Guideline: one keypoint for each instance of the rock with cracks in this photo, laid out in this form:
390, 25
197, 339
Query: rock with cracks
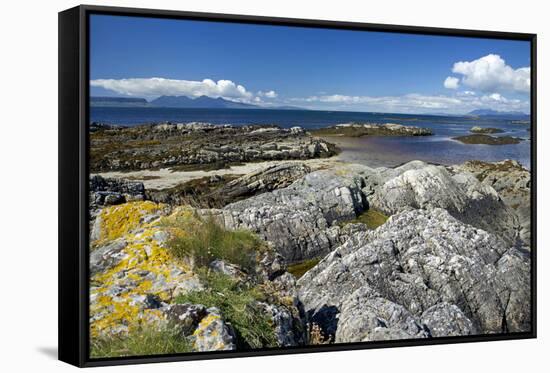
300, 220
422, 274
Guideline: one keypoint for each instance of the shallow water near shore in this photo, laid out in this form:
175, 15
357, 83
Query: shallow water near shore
394, 151
371, 151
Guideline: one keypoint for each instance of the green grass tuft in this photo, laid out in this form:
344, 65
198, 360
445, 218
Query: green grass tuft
238, 303
205, 240
298, 269
140, 343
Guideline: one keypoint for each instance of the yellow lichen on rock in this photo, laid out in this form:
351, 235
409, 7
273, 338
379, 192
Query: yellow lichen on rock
120, 296
212, 334
118, 220
205, 323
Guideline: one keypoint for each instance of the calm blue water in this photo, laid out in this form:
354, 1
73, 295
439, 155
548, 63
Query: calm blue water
374, 151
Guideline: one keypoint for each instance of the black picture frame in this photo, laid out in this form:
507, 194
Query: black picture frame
74, 170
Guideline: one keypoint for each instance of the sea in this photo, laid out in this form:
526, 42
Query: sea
371, 151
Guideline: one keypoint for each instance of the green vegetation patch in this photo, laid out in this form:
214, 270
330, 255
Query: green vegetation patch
238, 303
483, 169
371, 218
359, 131
204, 240
139, 343
487, 139
298, 269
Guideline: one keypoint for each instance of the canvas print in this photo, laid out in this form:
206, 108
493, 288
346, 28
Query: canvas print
259, 186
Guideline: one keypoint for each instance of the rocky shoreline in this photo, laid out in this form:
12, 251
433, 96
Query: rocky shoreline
415, 251
371, 129
485, 130
483, 139
197, 146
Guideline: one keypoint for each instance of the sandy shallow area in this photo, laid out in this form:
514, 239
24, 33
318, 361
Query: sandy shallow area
366, 151
392, 151
166, 178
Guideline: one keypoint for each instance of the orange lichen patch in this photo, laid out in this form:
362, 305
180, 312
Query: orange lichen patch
118, 220
117, 299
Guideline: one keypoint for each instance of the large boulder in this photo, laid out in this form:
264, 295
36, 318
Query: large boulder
419, 185
132, 273
421, 274
512, 182
300, 220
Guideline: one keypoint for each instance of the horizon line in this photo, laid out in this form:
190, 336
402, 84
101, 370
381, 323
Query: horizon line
298, 108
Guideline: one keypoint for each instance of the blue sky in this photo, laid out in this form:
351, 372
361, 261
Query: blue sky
313, 68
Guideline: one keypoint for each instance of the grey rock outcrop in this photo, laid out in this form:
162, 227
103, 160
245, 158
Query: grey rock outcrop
218, 191
377, 319
513, 184
479, 138
372, 129
205, 328
289, 328
267, 179
300, 220
109, 191
446, 320
213, 333
477, 129
199, 146
185, 317
421, 274
419, 185
107, 256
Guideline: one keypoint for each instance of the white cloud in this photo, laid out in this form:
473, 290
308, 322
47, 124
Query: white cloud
491, 74
451, 82
460, 103
153, 87
494, 96
268, 94
410, 101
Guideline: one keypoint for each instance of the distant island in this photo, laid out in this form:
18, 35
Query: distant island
205, 102
489, 113
118, 101
184, 102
